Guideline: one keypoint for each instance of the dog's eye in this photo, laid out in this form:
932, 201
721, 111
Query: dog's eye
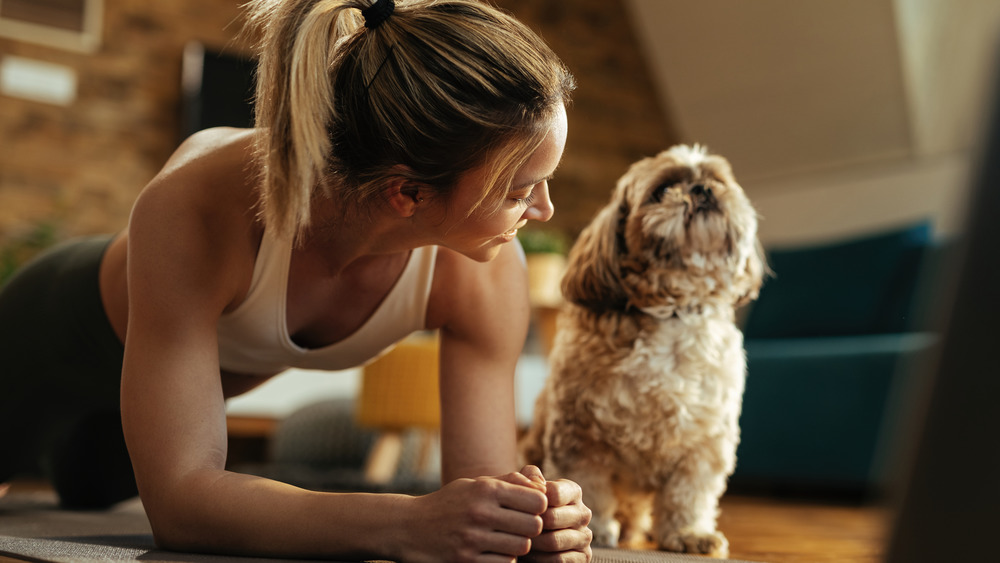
660, 191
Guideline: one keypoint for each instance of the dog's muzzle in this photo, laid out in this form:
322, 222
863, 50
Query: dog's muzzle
703, 199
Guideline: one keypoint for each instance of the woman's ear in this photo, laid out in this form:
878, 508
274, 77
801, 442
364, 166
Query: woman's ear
404, 196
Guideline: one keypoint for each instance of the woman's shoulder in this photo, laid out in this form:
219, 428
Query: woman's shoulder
203, 203
214, 152
211, 175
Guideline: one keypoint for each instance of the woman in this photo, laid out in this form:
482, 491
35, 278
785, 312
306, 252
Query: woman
398, 150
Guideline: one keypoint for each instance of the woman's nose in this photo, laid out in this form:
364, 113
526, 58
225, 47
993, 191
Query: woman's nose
542, 208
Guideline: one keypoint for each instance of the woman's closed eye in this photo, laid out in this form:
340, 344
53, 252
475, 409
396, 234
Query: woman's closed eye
526, 200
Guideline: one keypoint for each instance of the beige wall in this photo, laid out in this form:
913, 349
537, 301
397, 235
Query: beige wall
841, 117
859, 200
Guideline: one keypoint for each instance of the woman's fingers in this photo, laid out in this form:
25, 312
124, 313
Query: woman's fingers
489, 519
559, 492
509, 545
517, 510
522, 497
515, 522
565, 530
566, 507
573, 516
568, 539
533, 473
562, 492
509, 515
565, 537
531, 478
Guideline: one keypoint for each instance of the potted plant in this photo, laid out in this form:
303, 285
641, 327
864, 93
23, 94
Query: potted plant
21, 248
545, 250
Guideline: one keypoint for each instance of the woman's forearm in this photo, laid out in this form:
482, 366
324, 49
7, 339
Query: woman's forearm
223, 512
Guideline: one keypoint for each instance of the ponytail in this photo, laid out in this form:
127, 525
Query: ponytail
433, 89
294, 102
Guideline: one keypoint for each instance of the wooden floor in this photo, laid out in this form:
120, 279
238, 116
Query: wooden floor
790, 531
782, 530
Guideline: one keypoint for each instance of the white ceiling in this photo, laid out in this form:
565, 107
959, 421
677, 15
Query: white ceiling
792, 86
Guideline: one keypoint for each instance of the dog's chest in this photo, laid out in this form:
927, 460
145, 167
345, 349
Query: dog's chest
681, 381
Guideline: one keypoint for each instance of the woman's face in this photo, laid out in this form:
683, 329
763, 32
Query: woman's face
481, 234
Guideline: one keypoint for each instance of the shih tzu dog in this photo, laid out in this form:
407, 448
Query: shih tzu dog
642, 402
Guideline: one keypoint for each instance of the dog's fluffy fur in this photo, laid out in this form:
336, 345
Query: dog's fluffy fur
642, 403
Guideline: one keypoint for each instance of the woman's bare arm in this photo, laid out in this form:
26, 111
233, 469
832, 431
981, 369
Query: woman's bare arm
180, 259
487, 322
482, 337
185, 268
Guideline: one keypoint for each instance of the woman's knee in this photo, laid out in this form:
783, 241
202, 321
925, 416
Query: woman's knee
90, 466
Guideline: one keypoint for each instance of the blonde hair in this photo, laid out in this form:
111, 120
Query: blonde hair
440, 87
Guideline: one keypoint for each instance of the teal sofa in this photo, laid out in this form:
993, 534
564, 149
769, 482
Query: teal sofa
831, 344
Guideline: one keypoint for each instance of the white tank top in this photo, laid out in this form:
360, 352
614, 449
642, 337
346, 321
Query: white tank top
254, 338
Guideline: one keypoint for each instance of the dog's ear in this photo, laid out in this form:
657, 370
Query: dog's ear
753, 275
592, 277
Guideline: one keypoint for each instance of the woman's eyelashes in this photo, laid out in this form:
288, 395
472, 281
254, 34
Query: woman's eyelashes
525, 201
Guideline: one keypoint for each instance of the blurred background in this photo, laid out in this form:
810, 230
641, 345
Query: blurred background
839, 116
846, 121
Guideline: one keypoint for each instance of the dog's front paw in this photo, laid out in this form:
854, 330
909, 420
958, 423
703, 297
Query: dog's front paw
606, 532
702, 543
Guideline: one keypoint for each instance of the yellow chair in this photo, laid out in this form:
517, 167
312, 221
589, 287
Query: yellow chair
399, 393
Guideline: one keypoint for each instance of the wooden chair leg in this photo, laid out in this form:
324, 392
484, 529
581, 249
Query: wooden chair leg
425, 452
383, 461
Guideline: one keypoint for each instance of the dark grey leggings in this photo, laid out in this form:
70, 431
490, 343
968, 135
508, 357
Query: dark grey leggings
60, 371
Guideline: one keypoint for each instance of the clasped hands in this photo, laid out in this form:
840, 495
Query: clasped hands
565, 535
502, 518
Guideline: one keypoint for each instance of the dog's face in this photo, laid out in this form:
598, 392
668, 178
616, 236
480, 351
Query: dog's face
678, 233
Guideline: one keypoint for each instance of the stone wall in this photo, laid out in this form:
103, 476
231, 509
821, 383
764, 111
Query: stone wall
80, 167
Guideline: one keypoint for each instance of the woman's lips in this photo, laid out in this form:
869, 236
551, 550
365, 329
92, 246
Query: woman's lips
509, 235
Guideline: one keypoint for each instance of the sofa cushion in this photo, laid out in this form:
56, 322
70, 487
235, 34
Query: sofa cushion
815, 409
855, 287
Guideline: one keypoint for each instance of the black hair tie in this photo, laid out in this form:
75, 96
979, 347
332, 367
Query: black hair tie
377, 13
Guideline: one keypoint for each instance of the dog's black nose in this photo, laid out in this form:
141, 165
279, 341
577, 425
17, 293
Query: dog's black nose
701, 190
